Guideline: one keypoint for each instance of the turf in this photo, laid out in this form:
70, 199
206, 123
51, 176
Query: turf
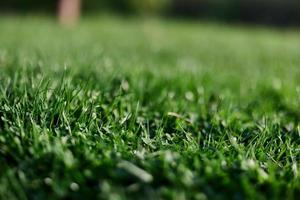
147, 109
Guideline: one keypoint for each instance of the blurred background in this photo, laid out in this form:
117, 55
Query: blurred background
271, 12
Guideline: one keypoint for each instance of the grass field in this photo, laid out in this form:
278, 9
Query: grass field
147, 109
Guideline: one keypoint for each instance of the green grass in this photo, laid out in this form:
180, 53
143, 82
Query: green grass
146, 109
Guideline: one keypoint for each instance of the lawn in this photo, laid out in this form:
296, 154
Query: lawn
148, 109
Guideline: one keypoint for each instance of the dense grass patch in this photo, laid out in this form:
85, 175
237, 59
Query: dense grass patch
148, 109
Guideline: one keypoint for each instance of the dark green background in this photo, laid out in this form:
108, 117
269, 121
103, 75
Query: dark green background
280, 12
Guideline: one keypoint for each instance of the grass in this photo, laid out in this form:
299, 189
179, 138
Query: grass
146, 109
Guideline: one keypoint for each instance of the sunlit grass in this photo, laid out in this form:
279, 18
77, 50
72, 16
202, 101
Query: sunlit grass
139, 108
